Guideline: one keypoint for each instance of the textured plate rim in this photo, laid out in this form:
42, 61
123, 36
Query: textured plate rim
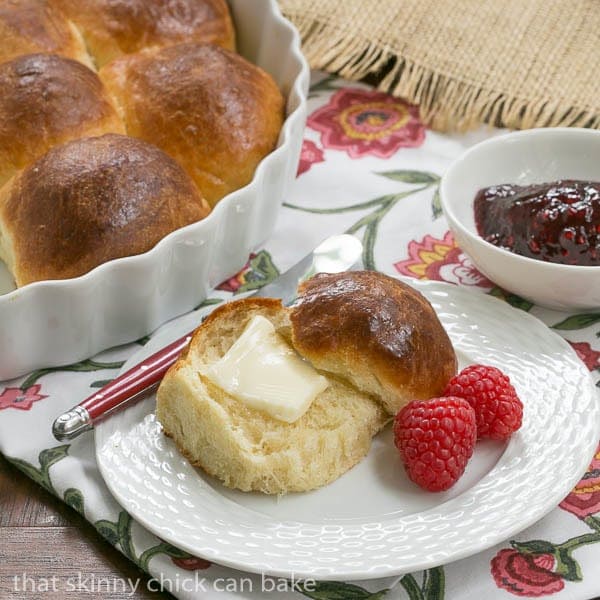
551, 501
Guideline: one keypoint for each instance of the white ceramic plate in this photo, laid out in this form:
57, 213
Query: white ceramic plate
373, 522
50, 323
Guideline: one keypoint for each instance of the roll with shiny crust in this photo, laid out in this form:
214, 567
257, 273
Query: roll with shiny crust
29, 26
90, 201
112, 28
214, 112
379, 334
247, 448
46, 100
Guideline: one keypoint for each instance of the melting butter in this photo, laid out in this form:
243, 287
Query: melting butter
263, 371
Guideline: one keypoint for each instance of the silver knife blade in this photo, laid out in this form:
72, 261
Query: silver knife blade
335, 254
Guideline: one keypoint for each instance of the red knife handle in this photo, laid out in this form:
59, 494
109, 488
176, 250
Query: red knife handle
138, 379
136, 382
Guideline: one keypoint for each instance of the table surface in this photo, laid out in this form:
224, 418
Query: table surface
40, 536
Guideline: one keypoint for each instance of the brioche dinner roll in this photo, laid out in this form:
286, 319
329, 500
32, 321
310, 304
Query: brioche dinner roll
210, 109
46, 100
89, 201
75, 191
112, 28
249, 449
31, 26
375, 342
376, 332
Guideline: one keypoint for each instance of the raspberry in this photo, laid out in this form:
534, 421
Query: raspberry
489, 391
436, 439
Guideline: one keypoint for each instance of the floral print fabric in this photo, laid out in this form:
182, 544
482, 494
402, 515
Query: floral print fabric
361, 122
367, 166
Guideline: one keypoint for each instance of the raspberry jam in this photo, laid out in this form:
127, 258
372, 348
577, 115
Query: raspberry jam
557, 222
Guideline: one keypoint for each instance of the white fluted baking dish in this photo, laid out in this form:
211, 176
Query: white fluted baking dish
50, 323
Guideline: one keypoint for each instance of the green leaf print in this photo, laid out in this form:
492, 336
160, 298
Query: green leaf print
370, 223
380, 205
369, 245
46, 458
29, 470
124, 531
409, 583
434, 584
512, 299
119, 534
74, 498
108, 530
592, 522
100, 383
51, 456
161, 548
262, 270
208, 302
567, 566
433, 588
578, 321
381, 200
534, 547
436, 204
84, 365
337, 590
407, 176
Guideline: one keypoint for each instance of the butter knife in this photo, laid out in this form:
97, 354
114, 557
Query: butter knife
336, 254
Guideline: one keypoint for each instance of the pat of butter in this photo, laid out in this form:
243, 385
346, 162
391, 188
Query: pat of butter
263, 371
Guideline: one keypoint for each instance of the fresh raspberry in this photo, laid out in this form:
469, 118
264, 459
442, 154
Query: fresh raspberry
489, 391
436, 439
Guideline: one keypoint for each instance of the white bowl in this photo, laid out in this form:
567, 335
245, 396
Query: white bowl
52, 323
524, 157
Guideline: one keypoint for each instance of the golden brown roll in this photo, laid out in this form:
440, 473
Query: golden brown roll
28, 26
246, 448
112, 28
214, 112
375, 332
46, 100
89, 201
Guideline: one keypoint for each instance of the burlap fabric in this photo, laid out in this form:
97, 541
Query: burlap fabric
513, 63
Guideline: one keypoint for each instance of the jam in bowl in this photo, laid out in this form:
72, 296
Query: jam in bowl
537, 240
557, 222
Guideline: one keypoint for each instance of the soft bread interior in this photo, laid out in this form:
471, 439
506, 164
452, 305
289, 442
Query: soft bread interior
246, 448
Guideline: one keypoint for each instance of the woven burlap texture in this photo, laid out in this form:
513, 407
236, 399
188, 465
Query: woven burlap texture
514, 63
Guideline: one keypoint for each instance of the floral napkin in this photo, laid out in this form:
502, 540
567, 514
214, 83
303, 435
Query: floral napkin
371, 168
